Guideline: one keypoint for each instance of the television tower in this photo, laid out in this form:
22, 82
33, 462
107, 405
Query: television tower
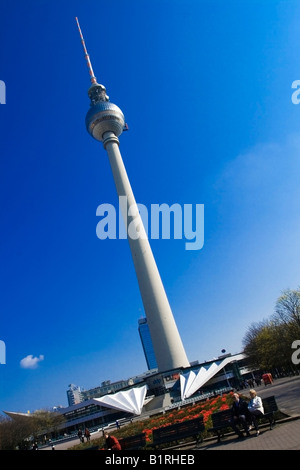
105, 122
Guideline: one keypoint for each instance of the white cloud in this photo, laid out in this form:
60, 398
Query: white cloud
30, 362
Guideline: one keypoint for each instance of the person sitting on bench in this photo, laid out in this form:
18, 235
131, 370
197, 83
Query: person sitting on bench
256, 408
240, 415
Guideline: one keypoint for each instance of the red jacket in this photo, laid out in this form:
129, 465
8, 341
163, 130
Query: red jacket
113, 443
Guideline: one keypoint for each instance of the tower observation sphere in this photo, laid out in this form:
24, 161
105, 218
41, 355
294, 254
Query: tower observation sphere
105, 122
103, 116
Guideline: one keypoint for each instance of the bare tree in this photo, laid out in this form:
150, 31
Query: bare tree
287, 308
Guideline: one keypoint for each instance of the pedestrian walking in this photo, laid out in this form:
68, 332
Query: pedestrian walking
80, 435
87, 434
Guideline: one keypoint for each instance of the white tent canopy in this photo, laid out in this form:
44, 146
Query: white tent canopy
191, 381
131, 400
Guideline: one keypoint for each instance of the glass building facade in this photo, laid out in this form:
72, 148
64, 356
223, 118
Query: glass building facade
146, 340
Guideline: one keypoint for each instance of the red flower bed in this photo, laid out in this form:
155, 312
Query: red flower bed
203, 408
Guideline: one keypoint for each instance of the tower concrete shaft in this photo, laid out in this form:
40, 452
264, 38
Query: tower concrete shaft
167, 344
105, 122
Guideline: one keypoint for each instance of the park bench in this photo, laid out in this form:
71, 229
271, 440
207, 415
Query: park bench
128, 443
270, 408
175, 432
221, 419
136, 442
220, 423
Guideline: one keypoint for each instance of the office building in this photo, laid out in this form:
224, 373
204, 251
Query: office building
74, 394
147, 344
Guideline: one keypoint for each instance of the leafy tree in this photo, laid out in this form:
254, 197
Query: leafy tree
252, 343
268, 344
45, 421
15, 434
19, 432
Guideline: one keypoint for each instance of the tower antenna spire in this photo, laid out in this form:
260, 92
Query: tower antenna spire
87, 57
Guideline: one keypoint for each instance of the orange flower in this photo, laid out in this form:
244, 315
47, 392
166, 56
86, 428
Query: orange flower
224, 407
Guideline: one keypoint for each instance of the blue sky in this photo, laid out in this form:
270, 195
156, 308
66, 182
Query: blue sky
206, 90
